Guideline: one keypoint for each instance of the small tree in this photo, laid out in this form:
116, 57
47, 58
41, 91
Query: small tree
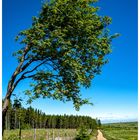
99, 123
83, 134
63, 50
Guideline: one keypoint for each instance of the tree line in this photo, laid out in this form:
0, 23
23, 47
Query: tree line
24, 118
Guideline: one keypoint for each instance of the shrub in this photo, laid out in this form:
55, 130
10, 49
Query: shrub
83, 134
25, 126
13, 137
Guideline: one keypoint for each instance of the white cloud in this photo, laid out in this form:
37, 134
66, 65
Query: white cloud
117, 117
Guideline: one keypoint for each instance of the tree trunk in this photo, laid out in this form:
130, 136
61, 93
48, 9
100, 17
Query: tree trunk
10, 89
4, 111
11, 86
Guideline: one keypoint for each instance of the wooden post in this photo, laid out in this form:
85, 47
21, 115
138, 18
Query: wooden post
65, 135
6, 121
19, 133
34, 133
48, 135
53, 135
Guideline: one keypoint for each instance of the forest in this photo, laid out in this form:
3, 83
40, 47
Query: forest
26, 118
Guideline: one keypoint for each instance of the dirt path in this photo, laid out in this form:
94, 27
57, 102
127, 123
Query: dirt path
100, 136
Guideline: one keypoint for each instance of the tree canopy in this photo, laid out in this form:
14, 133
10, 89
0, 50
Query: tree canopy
65, 49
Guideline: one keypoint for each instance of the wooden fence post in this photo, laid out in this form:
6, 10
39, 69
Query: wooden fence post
53, 135
48, 135
34, 133
19, 133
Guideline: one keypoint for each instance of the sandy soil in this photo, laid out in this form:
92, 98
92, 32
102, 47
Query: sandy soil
100, 136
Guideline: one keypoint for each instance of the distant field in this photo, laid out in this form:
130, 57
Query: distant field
121, 131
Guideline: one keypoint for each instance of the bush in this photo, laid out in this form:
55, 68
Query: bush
13, 137
25, 126
83, 134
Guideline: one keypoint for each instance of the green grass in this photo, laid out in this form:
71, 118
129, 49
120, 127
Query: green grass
121, 131
41, 134
94, 135
44, 134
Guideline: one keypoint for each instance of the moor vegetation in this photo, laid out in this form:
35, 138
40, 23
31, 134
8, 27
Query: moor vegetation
121, 131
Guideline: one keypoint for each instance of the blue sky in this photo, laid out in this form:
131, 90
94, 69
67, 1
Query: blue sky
114, 92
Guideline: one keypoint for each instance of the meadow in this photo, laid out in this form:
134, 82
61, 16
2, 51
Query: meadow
120, 131
39, 134
44, 134
114, 131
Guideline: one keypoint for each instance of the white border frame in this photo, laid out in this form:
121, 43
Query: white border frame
138, 70
1, 68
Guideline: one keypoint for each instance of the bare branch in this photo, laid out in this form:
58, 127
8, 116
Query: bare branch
26, 65
21, 78
34, 68
17, 71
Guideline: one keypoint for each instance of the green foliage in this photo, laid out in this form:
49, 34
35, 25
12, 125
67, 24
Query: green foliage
25, 126
13, 137
83, 134
17, 103
99, 123
66, 45
94, 134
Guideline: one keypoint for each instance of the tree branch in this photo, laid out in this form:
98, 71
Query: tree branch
17, 71
26, 65
34, 68
23, 76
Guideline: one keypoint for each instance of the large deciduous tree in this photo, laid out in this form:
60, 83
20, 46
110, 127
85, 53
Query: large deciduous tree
63, 50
